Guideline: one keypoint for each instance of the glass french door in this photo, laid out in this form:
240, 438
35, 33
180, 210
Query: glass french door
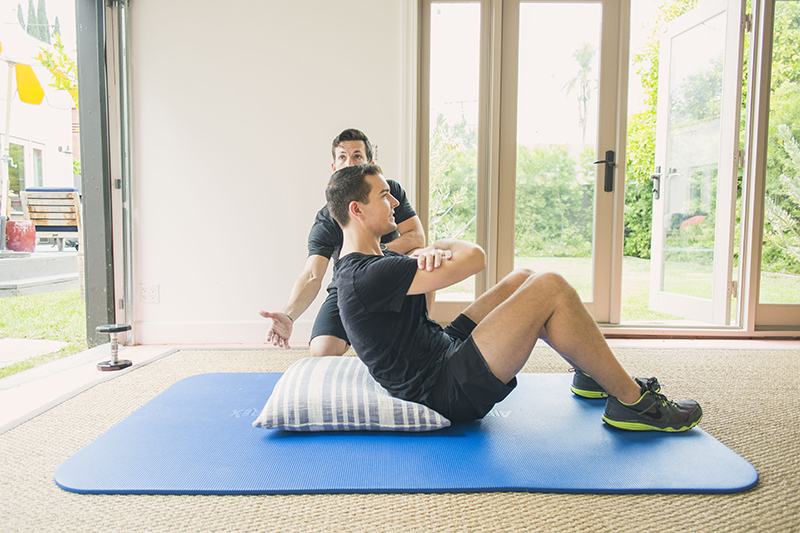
532, 180
697, 153
559, 143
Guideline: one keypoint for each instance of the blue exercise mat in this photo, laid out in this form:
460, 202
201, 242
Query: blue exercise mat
197, 438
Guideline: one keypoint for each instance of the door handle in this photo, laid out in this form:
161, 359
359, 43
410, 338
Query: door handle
656, 177
609, 162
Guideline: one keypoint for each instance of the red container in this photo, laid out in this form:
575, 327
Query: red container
20, 235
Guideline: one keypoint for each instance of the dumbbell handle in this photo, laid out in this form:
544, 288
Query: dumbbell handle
114, 348
112, 330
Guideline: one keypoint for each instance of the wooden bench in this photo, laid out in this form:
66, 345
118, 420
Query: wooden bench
56, 212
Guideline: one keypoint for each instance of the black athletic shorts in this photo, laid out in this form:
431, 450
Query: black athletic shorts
466, 389
328, 321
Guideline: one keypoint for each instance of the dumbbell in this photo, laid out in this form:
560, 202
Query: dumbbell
113, 363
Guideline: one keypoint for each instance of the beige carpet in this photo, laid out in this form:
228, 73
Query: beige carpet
750, 399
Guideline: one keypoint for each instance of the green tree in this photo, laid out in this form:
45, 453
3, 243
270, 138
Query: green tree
786, 48
37, 25
62, 67
781, 205
784, 109
33, 21
20, 16
782, 230
452, 181
43, 23
699, 97
785, 98
784, 113
641, 147
16, 168
553, 209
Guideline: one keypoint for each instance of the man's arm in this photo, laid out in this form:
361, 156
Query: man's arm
460, 260
411, 236
304, 290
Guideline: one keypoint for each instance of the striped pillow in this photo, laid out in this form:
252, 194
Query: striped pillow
338, 394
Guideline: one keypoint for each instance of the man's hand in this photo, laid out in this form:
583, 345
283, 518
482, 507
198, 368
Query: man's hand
281, 328
430, 258
464, 259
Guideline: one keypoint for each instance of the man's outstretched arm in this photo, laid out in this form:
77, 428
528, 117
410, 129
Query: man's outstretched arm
458, 261
411, 236
304, 290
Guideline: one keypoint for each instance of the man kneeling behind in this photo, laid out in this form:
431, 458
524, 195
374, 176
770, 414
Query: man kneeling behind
461, 371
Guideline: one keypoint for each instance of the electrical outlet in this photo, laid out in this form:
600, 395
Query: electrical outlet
149, 293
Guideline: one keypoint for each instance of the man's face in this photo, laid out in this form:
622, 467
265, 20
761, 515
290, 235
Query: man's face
379, 212
349, 153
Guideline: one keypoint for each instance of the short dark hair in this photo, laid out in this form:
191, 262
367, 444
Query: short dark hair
347, 185
351, 134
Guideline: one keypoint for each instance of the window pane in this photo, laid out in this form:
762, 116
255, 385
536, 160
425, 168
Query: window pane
690, 179
16, 175
37, 167
780, 256
557, 139
454, 84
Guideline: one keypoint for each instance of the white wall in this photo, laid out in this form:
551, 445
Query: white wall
234, 106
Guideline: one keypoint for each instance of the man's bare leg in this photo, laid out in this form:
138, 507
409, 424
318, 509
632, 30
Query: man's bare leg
524, 307
322, 345
491, 299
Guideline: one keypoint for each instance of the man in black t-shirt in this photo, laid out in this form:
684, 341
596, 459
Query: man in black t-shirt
463, 370
328, 337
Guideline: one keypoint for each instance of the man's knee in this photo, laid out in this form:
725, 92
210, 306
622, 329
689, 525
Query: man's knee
520, 276
523, 272
323, 345
528, 275
549, 283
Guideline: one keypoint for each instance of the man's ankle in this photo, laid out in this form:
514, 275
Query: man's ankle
632, 394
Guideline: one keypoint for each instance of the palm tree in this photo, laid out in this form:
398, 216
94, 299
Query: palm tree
584, 55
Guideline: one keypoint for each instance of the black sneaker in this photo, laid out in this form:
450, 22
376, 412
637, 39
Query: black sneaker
585, 387
652, 412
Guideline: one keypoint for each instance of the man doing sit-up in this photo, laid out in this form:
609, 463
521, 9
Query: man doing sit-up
463, 370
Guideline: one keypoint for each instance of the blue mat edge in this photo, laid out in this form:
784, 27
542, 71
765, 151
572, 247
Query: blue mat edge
202, 492
415, 491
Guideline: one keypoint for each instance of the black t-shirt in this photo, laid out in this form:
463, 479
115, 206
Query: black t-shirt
325, 237
390, 331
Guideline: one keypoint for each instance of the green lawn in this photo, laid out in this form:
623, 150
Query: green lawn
578, 271
681, 278
779, 288
56, 316
636, 292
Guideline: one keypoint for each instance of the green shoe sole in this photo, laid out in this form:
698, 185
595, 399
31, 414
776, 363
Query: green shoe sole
636, 426
590, 394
